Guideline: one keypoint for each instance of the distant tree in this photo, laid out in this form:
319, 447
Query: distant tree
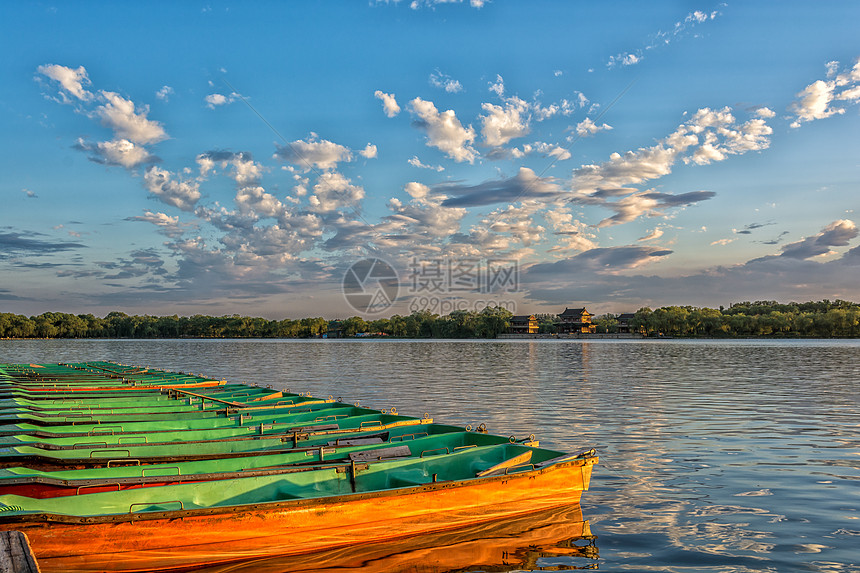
642, 321
606, 323
493, 321
547, 323
354, 325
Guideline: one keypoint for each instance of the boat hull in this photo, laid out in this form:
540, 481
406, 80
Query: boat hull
181, 539
509, 544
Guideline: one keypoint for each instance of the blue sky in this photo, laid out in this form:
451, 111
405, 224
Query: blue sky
221, 157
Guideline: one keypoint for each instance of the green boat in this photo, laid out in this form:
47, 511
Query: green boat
433, 440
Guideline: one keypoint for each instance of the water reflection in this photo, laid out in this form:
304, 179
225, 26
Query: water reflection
557, 539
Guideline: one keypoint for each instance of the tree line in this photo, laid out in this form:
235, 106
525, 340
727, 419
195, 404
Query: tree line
823, 319
487, 323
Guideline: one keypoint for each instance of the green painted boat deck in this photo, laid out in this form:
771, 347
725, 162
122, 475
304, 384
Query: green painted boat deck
88, 424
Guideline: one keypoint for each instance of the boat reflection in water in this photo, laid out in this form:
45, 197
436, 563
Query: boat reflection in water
555, 539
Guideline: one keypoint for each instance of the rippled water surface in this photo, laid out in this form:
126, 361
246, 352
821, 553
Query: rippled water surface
714, 456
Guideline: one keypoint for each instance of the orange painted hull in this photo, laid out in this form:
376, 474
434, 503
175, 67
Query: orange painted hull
510, 544
186, 539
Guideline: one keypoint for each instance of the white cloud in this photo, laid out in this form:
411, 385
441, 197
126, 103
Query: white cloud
370, 151
242, 167
851, 94
570, 234
417, 4
120, 152
655, 234
205, 163
71, 80
517, 222
816, 101
624, 59
699, 17
255, 200
314, 153
501, 124
128, 123
132, 129
334, 192
679, 30
548, 149
722, 242
389, 103
498, 87
166, 224
416, 190
587, 127
424, 215
180, 194
543, 113
710, 135
446, 82
851, 76
245, 170
216, 99
444, 131
630, 208
706, 154
164, 93
415, 162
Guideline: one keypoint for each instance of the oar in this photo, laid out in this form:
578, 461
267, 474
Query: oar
513, 462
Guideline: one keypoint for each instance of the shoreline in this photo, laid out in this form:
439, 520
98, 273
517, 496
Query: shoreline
594, 336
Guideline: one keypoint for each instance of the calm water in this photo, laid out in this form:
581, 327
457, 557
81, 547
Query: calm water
714, 456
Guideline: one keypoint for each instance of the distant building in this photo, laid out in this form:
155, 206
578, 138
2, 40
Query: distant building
523, 324
576, 321
625, 320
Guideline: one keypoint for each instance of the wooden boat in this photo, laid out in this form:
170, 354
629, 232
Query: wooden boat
320, 485
320, 451
510, 544
140, 451
86, 426
207, 429
186, 525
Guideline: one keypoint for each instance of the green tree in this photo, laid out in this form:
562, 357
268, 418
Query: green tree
493, 321
606, 323
354, 325
642, 321
547, 323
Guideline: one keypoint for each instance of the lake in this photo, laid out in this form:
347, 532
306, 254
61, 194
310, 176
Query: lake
739, 455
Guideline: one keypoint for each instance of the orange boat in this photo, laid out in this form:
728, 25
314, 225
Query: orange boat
512, 544
147, 536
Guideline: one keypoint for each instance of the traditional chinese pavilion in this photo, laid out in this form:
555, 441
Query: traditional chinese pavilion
575, 321
523, 324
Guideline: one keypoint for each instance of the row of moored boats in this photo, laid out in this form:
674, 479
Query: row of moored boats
113, 467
